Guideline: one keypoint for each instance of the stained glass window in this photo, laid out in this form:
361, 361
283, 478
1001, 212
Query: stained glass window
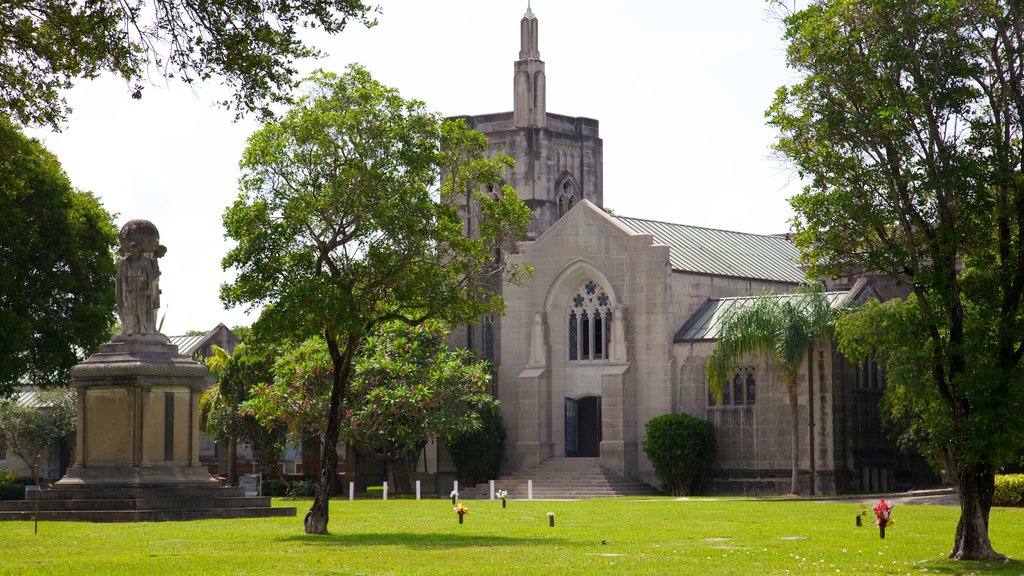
589, 323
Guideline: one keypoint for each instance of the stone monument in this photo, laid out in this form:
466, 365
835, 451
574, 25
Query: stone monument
137, 443
138, 398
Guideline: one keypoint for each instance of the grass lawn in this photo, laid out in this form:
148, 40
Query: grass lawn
606, 536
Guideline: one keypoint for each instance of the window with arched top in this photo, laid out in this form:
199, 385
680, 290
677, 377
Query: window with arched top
589, 323
740, 390
567, 197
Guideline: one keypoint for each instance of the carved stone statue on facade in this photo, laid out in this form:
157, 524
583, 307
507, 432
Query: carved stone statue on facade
138, 291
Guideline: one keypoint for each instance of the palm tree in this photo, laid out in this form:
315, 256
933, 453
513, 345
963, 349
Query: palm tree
783, 327
218, 408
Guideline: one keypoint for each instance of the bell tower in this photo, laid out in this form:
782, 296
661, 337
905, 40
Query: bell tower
530, 108
558, 158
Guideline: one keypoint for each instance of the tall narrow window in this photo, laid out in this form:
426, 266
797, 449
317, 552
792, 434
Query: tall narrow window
489, 338
589, 323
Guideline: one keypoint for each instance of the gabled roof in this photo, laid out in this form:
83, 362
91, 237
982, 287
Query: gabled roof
707, 320
723, 253
187, 345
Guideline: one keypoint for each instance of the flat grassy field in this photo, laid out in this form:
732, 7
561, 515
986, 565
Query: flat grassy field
605, 536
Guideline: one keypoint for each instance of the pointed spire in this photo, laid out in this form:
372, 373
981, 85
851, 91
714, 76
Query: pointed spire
529, 11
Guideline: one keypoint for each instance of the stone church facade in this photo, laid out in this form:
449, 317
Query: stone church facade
615, 324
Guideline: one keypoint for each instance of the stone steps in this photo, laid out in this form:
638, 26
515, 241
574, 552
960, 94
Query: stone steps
563, 478
140, 503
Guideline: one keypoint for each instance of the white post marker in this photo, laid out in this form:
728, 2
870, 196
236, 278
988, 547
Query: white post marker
417, 489
529, 489
492, 489
385, 490
351, 491
456, 488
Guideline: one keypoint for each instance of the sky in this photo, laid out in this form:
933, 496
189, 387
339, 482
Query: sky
679, 89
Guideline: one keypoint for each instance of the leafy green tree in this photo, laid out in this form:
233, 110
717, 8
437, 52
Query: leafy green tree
408, 388
348, 220
56, 267
221, 407
27, 430
909, 128
784, 328
46, 45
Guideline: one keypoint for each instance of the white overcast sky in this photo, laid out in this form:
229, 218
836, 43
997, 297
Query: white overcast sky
679, 88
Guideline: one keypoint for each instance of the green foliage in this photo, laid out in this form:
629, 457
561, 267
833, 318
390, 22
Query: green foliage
407, 389
56, 266
783, 327
240, 375
302, 489
273, 487
908, 126
348, 219
252, 46
9, 489
477, 454
680, 447
1009, 490
26, 430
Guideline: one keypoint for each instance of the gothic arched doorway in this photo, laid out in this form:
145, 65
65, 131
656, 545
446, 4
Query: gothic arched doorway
583, 427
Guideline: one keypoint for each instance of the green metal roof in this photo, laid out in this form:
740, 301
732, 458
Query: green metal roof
187, 345
707, 320
723, 253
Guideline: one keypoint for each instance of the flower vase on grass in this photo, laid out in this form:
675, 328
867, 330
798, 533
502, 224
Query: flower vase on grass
501, 495
455, 496
461, 511
883, 512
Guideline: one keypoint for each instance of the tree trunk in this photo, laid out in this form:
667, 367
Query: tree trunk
977, 484
402, 469
232, 461
317, 517
794, 409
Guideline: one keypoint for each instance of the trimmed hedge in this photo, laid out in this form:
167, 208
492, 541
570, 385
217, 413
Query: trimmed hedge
680, 447
1009, 490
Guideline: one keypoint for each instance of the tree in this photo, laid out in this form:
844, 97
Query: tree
784, 328
908, 125
218, 407
407, 389
222, 406
27, 428
347, 220
45, 45
56, 267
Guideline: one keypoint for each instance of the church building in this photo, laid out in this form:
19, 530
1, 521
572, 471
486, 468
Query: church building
616, 322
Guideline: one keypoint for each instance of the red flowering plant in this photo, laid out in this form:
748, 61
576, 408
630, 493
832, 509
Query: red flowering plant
407, 388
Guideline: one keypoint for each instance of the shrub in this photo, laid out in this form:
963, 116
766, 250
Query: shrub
1009, 490
274, 487
680, 447
477, 455
9, 489
302, 488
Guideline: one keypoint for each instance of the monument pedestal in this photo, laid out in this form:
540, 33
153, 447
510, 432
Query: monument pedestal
138, 416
